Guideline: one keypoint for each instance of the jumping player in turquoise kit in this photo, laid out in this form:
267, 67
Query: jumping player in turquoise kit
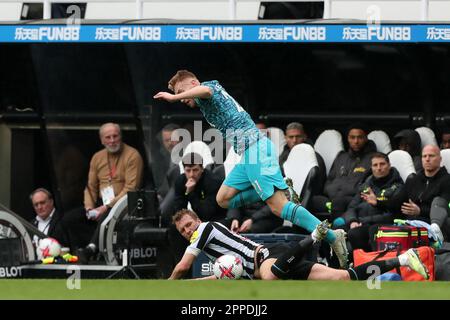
257, 175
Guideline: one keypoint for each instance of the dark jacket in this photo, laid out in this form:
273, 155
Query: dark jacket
256, 211
263, 220
348, 170
422, 190
162, 167
202, 198
55, 229
411, 137
386, 189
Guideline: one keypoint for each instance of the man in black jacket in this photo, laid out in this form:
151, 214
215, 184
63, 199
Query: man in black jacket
47, 219
427, 194
162, 161
197, 187
348, 170
409, 140
374, 204
295, 134
255, 218
445, 138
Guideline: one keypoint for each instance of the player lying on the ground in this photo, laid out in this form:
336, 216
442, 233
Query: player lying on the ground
257, 176
272, 261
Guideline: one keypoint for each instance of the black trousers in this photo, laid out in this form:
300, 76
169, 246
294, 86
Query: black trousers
440, 214
80, 230
338, 207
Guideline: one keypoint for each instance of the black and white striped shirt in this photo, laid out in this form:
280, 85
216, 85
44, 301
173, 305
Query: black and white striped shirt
215, 240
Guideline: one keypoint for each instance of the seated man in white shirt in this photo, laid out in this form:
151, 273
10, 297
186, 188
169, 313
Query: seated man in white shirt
47, 219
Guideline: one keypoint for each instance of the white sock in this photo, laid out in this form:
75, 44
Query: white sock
314, 235
437, 230
403, 259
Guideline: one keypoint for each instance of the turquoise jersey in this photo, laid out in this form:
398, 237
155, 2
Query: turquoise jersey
225, 114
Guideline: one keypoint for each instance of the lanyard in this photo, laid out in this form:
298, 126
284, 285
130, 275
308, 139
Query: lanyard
112, 170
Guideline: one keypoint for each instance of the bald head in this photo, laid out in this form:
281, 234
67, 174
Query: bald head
431, 160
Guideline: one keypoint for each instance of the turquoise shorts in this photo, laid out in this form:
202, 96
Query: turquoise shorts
258, 168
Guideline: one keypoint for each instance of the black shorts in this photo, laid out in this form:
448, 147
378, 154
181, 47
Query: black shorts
300, 271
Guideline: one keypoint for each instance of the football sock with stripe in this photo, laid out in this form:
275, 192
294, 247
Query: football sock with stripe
301, 217
362, 272
243, 198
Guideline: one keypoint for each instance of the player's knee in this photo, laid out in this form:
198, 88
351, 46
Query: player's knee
275, 208
342, 275
439, 202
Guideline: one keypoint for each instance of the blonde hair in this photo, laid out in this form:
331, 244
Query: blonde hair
183, 212
180, 76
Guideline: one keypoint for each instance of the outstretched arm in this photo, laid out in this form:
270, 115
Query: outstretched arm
201, 92
183, 266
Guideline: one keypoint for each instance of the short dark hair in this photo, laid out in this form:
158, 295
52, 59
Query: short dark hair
296, 126
358, 125
444, 130
181, 213
191, 159
380, 155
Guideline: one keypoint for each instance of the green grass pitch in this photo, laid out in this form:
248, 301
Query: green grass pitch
219, 290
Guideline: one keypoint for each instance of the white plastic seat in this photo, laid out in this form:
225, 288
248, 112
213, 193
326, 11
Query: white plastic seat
382, 141
402, 161
445, 154
10, 11
230, 161
202, 149
299, 163
299, 166
427, 136
328, 145
277, 136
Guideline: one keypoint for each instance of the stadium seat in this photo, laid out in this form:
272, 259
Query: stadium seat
231, 160
445, 154
277, 136
221, 171
381, 140
426, 136
402, 161
302, 167
328, 145
202, 149
105, 238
